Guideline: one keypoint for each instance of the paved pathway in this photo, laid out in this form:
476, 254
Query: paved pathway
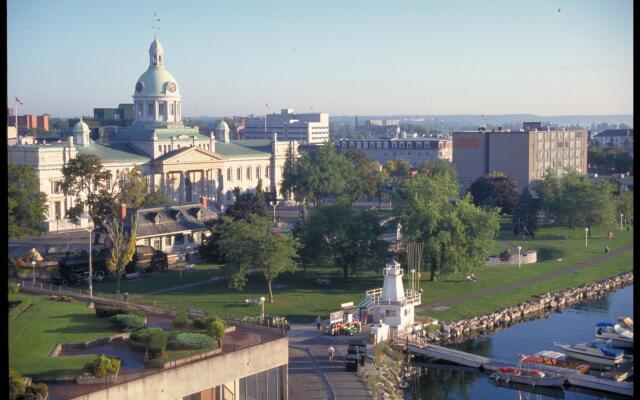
527, 282
312, 375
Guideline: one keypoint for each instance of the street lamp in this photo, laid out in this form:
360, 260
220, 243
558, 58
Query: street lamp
274, 204
262, 299
413, 280
90, 305
586, 237
519, 263
33, 266
621, 215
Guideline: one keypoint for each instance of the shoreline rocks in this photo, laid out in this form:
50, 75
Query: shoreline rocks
540, 306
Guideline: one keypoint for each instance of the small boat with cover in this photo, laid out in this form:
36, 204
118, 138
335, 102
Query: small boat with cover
532, 377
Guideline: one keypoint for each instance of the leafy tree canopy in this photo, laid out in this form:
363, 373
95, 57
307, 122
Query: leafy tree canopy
495, 190
27, 205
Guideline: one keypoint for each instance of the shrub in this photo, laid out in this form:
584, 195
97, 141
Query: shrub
39, 388
17, 386
180, 320
109, 311
127, 322
14, 288
215, 328
192, 341
102, 366
143, 335
157, 344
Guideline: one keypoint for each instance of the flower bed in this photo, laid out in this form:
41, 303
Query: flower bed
103, 369
56, 297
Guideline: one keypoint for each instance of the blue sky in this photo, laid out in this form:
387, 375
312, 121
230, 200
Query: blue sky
343, 57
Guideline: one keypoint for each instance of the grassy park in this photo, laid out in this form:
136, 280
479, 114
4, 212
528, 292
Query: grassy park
300, 299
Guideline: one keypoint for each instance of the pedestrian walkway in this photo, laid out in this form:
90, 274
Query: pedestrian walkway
526, 282
310, 369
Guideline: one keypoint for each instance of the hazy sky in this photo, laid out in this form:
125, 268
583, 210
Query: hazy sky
343, 57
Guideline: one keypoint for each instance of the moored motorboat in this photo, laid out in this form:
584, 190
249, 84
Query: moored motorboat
595, 352
554, 359
528, 376
619, 336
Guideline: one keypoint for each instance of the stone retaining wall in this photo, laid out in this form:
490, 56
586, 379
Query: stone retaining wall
528, 257
541, 305
92, 343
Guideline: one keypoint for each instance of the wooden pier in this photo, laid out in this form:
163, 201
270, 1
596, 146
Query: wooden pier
572, 376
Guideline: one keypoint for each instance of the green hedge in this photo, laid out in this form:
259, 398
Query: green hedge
17, 386
157, 344
109, 311
127, 322
102, 366
143, 335
19, 309
180, 320
191, 341
14, 288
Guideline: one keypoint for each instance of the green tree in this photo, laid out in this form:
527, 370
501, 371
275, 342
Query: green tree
26, 203
456, 233
505, 256
210, 249
156, 198
624, 205
495, 190
366, 176
260, 197
337, 235
244, 205
214, 327
86, 181
525, 214
249, 245
623, 162
133, 187
123, 245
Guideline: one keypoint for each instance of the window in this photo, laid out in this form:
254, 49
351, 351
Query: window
228, 174
390, 313
151, 111
147, 241
257, 172
58, 210
578, 135
239, 173
167, 240
171, 108
394, 145
266, 171
159, 148
248, 173
179, 239
572, 144
162, 108
56, 187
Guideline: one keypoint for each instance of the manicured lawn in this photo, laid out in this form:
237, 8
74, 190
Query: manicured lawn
497, 301
34, 334
303, 299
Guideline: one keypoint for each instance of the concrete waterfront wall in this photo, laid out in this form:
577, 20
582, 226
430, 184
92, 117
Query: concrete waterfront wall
198, 376
539, 306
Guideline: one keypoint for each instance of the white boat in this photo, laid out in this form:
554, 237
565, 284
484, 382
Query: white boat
532, 377
595, 352
619, 336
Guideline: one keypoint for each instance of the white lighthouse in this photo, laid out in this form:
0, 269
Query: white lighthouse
392, 303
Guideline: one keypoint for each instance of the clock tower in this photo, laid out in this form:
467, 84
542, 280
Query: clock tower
156, 95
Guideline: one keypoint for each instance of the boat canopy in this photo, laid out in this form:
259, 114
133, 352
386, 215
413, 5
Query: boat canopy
608, 351
603, 324
554, 355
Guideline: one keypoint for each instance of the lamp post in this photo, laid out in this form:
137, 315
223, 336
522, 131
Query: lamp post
90, 305
519, 252
413, 280
33, 266
274, 204
586, 237
621, 215
262, 299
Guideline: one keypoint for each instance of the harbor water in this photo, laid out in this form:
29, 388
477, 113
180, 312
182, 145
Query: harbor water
575, 324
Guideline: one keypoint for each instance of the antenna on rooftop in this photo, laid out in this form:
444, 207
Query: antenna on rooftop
155, 25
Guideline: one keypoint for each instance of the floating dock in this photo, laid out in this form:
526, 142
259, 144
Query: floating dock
572, 376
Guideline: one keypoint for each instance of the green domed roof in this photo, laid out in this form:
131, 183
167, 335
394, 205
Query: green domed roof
154, 83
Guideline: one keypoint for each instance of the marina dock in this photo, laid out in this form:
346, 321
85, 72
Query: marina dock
573, 377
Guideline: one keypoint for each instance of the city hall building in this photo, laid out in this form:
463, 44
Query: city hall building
175, 158
523, 156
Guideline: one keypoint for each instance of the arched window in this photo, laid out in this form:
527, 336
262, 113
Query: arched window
228, 174
239, 173
266, 171
248, 173
159, 148
258, 172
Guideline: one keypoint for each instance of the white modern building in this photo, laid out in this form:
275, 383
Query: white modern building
415, 150
306, 128
613, 138
176, 159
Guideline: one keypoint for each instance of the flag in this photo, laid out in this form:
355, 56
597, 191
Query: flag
18, 100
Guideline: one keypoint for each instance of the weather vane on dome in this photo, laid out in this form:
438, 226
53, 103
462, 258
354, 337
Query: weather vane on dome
156, 25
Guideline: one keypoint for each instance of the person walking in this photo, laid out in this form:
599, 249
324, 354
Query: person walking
318, 322
332, 351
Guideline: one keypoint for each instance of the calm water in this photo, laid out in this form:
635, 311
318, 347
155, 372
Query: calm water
572, 325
